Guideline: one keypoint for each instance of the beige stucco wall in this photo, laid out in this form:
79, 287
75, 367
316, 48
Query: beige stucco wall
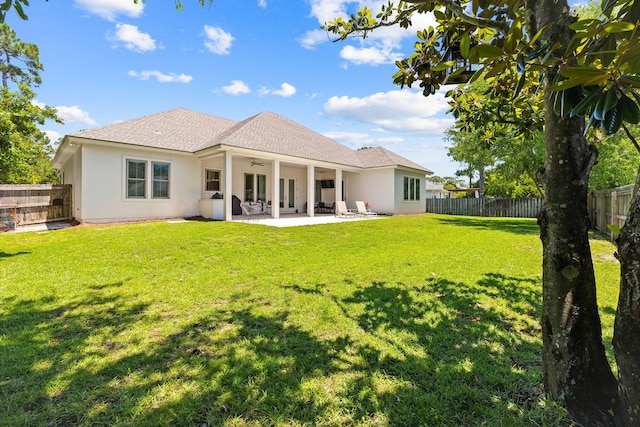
375, 187
103, 193
409, 206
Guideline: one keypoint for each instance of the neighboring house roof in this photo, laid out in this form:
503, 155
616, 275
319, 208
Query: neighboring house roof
189, 131
432, 186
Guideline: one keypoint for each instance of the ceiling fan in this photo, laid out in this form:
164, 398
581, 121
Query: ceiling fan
255, 163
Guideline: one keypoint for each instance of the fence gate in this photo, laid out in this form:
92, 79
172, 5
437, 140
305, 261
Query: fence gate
35, 204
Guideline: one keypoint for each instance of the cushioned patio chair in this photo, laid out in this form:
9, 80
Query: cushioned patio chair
363, 210
343, 212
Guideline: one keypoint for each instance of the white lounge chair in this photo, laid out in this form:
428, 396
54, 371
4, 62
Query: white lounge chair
363, 210
343, 212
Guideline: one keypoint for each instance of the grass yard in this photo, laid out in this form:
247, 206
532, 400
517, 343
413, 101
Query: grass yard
404, 321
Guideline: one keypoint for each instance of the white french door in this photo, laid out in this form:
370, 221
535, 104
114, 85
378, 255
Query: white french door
287, 195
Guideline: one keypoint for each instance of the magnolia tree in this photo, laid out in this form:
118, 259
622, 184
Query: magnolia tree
585, 72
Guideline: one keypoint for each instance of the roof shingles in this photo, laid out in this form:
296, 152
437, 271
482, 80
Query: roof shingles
189, 131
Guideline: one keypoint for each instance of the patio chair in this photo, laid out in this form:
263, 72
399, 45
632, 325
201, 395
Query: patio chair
363, 210
343, 212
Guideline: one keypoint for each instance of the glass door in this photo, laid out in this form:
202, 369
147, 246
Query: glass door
287, 194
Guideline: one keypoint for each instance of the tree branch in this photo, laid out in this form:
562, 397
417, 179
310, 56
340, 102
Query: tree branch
631, 137
457, 10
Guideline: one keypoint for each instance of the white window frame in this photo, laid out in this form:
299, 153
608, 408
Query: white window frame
161, 180
149, 179
127, 179
411, 188
207, 180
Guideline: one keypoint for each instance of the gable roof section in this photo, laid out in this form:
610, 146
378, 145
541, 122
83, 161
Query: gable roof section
178, 129
276, 134
189, 131
376, 157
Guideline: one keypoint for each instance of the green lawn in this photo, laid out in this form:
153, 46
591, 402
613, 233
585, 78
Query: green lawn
405, 321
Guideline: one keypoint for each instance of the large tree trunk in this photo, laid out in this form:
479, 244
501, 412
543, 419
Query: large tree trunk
626, 340
574, 362
574, 365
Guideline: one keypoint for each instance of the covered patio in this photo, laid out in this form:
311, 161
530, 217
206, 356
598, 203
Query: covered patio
296, 220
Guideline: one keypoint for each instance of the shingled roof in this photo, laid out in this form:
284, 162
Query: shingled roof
189, 131
178, 129
376, 157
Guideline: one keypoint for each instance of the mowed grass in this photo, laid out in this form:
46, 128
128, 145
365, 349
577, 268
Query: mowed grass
405, 321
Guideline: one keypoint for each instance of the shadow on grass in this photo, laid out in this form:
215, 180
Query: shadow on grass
432, 354
511, 225
7, 255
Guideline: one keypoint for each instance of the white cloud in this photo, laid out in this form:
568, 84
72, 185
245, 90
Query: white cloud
313, 38
75, 114
374, 55
161, 77
218, 41
357, 140
381, 46
401, 111
53, 135
237, 87
262, 3
110, 9
132, 38
286, 90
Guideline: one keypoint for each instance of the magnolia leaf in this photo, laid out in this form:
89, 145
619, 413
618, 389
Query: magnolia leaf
612, 120
629, 80
607, 51
614, 228
443, 66
581, 71
618, 27
584, 24
520, 85
605, 103
465, 45
573, 82
630, 110
582, 107
496, 69
633, 15
487, 51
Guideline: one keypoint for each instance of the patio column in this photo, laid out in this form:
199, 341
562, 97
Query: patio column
339, 195
275, 203
228, 199
311, 190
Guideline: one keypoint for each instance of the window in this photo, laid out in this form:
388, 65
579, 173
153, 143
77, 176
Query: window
262, 187
248, 187
253, 182
136, 179
411, 187
211, 180
138, 184
160, 180
318, 191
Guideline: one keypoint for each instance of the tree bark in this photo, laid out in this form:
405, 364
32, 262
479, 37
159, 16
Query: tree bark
626, 340
574, 363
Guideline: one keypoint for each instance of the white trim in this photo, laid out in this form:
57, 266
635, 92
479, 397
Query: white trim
149, 161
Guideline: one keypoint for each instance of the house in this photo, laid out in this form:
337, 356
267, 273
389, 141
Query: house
172, 163
436, 191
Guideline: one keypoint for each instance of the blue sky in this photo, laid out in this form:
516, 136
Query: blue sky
112, 60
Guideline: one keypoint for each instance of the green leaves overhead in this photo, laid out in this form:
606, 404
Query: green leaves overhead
592, 74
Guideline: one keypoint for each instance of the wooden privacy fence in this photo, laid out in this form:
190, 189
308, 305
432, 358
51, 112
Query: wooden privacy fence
610, 207
501, 207
34, 204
